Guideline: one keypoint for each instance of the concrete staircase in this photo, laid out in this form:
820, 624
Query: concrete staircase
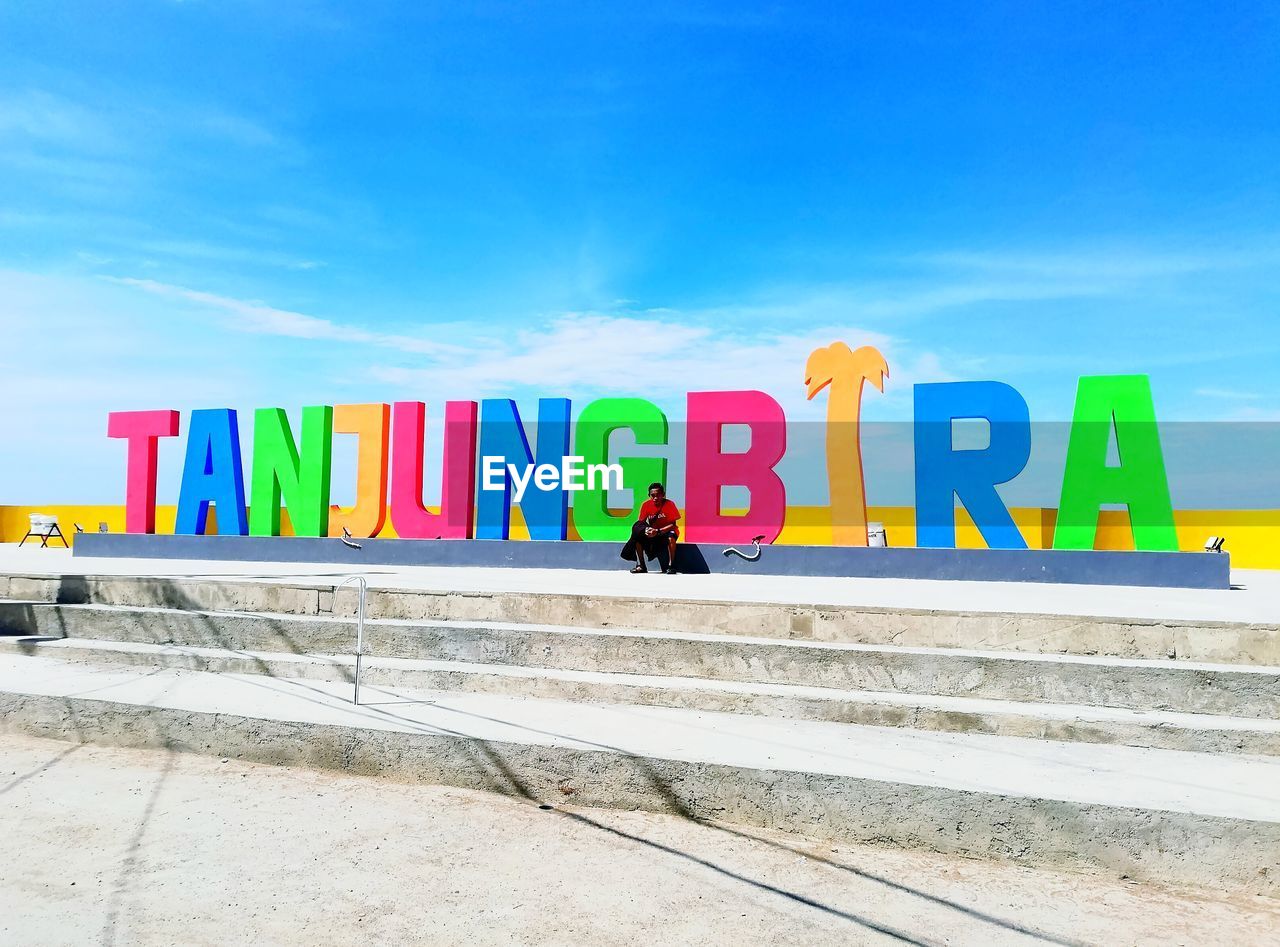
1148, 757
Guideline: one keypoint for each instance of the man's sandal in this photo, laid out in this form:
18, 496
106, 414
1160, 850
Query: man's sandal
637, 570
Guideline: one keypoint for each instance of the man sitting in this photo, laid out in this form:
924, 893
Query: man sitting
656, 530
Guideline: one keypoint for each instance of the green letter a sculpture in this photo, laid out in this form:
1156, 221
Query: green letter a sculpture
1139, 481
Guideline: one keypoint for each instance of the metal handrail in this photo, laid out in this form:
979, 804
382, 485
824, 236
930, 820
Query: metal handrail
364, 595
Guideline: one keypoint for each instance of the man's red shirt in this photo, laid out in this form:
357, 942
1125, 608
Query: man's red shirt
665, 516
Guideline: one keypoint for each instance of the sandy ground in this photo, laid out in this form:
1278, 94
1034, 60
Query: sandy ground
109, 846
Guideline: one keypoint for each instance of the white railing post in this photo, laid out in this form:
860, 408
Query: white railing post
364, 594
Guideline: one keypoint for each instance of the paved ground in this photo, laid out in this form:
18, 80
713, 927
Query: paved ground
114, 846
1256, 598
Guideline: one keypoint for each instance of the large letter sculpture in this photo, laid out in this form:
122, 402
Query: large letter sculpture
409, 516
370, 424
596, 424
281, 471
213, 473
942, 474
1139, 481
708, 468
846, 372
141, 429
546, 512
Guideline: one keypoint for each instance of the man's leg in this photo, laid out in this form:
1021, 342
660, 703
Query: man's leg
641, 543
671, 552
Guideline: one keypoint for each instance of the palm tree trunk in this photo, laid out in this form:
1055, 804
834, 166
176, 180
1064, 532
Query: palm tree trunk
844, 465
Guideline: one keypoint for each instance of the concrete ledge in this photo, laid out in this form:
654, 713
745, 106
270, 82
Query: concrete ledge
1198, 733
1163, 686
1151, 569
1243, 643
1141, 844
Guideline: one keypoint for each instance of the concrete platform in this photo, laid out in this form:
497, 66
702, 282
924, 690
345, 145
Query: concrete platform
1237, 690
1228, 787
1150, 569
1254, 597
1081, 722
1218, 626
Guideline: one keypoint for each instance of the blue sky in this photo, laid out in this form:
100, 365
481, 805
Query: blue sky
247, 204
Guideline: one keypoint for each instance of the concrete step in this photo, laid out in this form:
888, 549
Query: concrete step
1195, 732
1019, 630
1133, 684
1155, 815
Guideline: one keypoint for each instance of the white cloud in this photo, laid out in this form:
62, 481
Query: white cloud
102, 146
235, 129
1227, 394
132, 343
75, 350
108, 119
1110, 265
660, 355
1257, 415
204, 250
257, 317
661, 352
41, 116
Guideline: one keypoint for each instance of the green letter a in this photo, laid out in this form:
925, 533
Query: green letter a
1139, 481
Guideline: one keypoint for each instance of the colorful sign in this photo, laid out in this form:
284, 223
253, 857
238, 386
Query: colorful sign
489, 464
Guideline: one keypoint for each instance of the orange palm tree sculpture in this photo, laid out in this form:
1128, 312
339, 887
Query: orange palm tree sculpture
845, 371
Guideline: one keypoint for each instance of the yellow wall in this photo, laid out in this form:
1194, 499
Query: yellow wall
14, 522
1253, 536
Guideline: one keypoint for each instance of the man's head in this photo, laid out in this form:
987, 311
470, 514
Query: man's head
656, 491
